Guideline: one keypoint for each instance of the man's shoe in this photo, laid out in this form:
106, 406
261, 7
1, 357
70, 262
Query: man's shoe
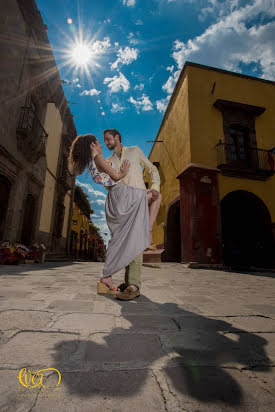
128, 294
122, 287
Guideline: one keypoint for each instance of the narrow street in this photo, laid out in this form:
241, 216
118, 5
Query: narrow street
196, 340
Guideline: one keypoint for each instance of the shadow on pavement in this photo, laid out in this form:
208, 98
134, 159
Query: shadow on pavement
11, 270
246, 271
119, 363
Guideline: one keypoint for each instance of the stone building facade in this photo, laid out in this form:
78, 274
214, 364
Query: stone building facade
36, 131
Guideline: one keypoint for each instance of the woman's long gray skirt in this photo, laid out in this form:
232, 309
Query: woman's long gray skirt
127, 217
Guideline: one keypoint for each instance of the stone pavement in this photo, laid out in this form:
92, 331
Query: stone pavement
196, 340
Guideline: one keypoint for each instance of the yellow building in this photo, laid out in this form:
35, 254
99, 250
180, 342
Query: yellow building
215, 154
79, 231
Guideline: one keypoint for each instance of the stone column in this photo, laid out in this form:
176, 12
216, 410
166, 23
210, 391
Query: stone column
200, 215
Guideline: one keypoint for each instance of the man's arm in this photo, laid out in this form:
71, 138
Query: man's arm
151, 169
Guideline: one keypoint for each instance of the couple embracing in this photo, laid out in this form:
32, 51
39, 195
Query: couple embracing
130, 208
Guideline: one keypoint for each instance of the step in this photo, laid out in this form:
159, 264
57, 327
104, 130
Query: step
152, 256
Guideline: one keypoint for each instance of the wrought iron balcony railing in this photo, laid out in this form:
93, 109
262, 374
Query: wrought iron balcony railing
30, 121
31, 135
66, 180
250, 161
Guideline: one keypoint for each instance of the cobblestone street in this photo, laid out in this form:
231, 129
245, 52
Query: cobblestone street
196, 340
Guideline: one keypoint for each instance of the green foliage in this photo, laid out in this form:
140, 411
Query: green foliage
82, 201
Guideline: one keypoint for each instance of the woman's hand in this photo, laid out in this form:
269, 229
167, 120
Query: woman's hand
124, 168
96, 149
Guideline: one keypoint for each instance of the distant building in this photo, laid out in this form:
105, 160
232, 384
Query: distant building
79, 232
86, 242
215, 154
36, 131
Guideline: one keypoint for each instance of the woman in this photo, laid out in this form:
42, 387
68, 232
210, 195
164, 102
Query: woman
126, 208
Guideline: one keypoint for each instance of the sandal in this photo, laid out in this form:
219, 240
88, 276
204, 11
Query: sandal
103, 289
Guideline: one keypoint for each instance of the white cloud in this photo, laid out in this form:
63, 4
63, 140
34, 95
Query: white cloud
170, 68
129, 2
117, 83
116, 108
78, 85
90, 191
99, 202
143, 103
125, 56
76, 80
139, 86
92, 92
162, 104
101, 46
235, 38
131, 39
171, 82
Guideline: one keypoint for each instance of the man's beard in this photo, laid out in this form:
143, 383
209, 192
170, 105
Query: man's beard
112, 147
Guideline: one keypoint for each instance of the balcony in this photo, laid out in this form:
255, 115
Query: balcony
65, 180
31, 136
250, 163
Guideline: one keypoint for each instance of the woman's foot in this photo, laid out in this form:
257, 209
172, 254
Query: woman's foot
108, 282
105, 286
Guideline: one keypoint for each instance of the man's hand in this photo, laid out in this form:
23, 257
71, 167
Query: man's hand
155, 193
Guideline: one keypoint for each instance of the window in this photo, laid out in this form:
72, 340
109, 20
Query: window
238, 144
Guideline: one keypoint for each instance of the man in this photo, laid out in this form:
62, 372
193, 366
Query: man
112, 139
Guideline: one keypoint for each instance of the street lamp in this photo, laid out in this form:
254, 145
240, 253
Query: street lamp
161, 141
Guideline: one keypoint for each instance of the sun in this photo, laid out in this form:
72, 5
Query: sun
81, 54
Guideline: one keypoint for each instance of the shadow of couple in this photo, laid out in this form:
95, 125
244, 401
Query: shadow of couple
191, 350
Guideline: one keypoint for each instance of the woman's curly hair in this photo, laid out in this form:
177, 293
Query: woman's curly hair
80, 155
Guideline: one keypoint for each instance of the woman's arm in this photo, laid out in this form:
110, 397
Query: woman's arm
104, 166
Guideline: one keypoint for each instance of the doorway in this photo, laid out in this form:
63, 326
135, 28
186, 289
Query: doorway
5, 188
247, 237
173, 233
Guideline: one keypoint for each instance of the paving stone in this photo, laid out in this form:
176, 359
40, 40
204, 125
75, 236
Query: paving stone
147, 323
37, 348
88, 322
217, 389
154, 352
115, 391
125, 349
254, 323
13, 294
10, 399
71, 305
14, 319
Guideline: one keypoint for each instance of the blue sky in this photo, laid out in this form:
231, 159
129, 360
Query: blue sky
138, 48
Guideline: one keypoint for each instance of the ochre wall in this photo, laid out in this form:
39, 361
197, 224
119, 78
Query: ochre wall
206, 124
53, 126
47, 204
176, 136
82, 222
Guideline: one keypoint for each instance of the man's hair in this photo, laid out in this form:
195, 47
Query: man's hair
113, 132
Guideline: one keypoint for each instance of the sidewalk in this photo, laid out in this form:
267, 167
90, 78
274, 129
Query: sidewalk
196, 340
